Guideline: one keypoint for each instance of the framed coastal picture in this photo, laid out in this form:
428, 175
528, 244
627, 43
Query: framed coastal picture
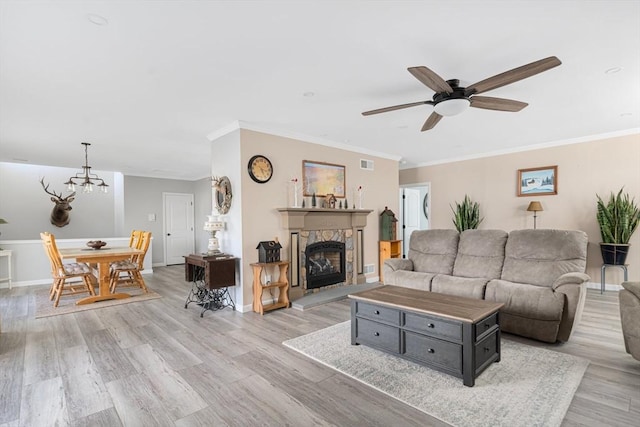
322, 179
538, 181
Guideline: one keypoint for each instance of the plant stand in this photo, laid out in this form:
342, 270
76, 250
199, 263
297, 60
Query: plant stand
604, 267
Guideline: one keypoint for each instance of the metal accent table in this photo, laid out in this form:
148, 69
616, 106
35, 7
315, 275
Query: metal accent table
603, 268
210, 277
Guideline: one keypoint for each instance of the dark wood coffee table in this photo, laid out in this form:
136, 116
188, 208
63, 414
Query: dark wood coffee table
455, 335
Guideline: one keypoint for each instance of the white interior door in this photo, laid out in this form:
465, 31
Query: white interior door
410, 216
178, 227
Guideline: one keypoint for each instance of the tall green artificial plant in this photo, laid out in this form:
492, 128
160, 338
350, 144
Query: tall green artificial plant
466, 215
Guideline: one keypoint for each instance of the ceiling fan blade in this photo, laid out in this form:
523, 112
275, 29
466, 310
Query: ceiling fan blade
433, 120
395, 107
498, 104
430, 79
513, 76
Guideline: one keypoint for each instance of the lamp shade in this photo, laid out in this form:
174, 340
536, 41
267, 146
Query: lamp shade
535, 207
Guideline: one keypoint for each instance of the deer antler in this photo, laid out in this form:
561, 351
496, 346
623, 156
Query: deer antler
46, 189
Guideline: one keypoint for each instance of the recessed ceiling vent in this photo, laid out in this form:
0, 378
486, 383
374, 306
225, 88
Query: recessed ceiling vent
366, 164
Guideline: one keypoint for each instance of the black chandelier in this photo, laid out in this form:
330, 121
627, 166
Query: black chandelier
86, 179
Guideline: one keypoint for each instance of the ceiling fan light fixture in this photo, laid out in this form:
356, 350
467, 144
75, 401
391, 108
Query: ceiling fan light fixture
451, 107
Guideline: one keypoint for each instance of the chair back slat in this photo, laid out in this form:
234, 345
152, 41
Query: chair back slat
51, 249
145, 240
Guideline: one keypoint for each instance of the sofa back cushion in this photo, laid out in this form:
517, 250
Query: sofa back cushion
480, 254
433, 251
539, 257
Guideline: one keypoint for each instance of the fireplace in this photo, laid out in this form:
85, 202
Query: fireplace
311, 226
325, 264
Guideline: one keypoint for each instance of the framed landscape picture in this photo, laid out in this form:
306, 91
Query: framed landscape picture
323, 178
538, 181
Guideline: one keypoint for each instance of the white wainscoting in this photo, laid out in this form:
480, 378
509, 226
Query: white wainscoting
31, 265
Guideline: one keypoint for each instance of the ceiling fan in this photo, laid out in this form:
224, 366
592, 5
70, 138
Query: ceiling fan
451, 99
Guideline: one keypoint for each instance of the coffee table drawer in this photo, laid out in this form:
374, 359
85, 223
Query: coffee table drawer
485, 325
433, 326
377, 335
486, 349
378, 313
433, 351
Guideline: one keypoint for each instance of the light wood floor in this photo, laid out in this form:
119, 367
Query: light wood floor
155, 363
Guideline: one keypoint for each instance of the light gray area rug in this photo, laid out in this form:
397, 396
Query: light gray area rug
530, 386
67, 304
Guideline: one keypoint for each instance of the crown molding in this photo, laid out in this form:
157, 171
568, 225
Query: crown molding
239, 124
590, 138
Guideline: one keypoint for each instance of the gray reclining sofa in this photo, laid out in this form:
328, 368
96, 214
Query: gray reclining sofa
537, 274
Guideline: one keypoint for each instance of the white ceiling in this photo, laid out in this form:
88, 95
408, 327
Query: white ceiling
149, 86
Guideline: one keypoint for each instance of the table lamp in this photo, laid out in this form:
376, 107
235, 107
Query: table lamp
534, 207
212, 225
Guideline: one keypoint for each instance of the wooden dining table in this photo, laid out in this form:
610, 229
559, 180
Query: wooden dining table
103, 258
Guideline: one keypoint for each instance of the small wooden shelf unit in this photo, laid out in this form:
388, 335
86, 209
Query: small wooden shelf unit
282, 284
388, 249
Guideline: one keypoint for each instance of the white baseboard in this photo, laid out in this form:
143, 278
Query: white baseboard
372, 279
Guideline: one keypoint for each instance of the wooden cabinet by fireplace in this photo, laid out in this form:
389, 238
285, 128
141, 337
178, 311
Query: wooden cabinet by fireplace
260, 284
388, 249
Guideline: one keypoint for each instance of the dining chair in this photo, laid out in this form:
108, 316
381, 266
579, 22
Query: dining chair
62, 273
129, 272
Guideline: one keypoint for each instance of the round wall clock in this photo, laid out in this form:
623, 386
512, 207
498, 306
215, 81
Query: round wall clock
260, 169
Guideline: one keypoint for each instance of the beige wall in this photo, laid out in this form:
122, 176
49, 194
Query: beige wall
256, 204
584, 170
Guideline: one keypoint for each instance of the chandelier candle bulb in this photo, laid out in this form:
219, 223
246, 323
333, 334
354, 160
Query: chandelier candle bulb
86, 179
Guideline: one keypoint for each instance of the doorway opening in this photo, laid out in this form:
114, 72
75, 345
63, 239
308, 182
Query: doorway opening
415, 211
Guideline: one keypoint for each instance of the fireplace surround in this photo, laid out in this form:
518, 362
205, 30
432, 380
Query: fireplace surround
307, 226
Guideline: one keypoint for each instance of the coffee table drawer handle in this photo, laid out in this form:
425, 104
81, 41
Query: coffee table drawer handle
431, 350
487, 349
430, 325
377, 334
376, 312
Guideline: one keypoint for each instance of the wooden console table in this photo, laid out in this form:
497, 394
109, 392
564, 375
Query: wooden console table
282, 284
211, 275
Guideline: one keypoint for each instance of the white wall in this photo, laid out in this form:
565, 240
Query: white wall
27, 208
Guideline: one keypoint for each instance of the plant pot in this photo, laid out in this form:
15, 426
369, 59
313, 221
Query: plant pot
614, 254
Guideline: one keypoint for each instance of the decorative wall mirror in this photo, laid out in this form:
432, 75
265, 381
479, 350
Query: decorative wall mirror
222, 195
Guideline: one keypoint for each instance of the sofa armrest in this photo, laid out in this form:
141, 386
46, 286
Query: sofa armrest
633, 287
570, 278
395, 264
574, 289
391, 265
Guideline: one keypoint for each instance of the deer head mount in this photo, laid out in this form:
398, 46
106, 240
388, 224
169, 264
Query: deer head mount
60, 212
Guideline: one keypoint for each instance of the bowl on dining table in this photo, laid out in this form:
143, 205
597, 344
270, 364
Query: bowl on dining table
96, 244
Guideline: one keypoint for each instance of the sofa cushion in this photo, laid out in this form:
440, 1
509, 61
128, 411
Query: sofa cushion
480, 254
526, 301
410, 279
433, 251
459, 286
539, 257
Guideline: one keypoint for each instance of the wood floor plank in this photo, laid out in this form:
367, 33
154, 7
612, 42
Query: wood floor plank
43, 404
85, 393
135, 402
107, 418
12, 345
177, 397
41, 357
110, 360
